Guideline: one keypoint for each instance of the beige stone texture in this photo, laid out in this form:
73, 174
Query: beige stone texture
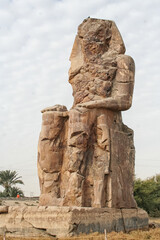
68, 221
86, 155
3, 209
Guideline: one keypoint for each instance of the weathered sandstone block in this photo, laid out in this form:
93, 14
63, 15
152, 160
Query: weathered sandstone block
68, 221
86, 155
3, 209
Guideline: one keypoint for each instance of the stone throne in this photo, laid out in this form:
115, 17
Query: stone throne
86, 154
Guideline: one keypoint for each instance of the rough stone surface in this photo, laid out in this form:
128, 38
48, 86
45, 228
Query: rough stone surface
86, 155
69, 221
3, 209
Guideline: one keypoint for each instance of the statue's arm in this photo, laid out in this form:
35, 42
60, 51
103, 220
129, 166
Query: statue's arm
119, 104
122, 91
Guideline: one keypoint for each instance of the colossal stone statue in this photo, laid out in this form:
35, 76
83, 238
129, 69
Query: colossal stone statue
86, 155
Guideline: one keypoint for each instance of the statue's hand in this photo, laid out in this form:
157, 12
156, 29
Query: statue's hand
89, 104
108, 103
94, 104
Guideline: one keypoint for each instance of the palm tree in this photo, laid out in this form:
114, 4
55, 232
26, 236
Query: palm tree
8, 179
14, 191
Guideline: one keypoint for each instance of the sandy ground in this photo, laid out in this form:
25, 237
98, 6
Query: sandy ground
153, 234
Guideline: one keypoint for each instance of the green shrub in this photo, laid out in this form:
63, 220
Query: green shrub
147, 195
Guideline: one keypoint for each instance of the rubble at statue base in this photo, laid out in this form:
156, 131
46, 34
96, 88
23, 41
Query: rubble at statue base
86, 155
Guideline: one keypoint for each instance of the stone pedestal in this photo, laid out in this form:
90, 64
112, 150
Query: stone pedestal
69, 221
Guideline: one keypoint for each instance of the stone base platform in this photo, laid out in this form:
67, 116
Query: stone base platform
60, 222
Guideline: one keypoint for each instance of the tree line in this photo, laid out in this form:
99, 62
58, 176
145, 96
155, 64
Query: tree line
147, 195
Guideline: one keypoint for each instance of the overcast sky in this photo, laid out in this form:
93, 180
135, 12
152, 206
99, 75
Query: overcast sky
36, 38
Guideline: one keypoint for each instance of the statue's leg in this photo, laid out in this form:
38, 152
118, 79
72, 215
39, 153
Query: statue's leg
78, 137
50, 156
102, 163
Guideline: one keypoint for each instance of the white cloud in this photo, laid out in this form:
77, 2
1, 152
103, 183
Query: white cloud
36, 38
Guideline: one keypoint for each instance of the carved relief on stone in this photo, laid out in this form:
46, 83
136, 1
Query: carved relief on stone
86, 155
